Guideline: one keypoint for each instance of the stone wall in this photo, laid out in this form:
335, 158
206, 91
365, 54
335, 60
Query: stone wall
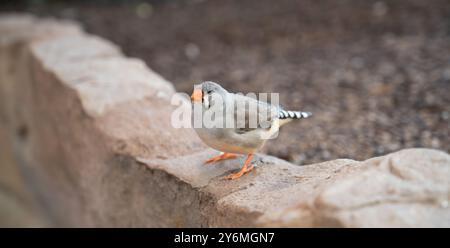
86, 140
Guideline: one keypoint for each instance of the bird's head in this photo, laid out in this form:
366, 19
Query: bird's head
206, 92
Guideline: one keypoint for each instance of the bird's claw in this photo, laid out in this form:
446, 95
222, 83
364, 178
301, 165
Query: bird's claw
239, 173
221, 157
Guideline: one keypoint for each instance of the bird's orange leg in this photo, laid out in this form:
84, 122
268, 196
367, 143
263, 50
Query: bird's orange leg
246, 168
222, 156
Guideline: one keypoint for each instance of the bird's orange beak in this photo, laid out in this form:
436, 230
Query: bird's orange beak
197, 95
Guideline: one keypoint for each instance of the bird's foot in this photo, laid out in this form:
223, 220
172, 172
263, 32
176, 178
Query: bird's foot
222, 156
239, 173
246, 168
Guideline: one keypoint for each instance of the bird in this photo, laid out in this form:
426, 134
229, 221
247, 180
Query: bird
242, 137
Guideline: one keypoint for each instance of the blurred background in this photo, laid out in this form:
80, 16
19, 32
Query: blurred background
376, 74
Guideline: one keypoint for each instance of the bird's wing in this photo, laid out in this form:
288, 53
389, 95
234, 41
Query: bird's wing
251, 114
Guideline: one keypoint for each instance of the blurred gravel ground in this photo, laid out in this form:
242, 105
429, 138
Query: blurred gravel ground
376, 74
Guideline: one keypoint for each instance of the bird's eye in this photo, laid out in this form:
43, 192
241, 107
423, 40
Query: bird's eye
205, 101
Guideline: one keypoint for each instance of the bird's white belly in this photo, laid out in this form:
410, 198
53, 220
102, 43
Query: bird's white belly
223, 140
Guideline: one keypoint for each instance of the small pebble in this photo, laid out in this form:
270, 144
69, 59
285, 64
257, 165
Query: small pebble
192, 51
144, 10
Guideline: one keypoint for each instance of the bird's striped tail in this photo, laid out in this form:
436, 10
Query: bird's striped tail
287, 114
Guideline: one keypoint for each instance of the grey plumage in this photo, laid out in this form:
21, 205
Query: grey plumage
244, 123
245, 136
